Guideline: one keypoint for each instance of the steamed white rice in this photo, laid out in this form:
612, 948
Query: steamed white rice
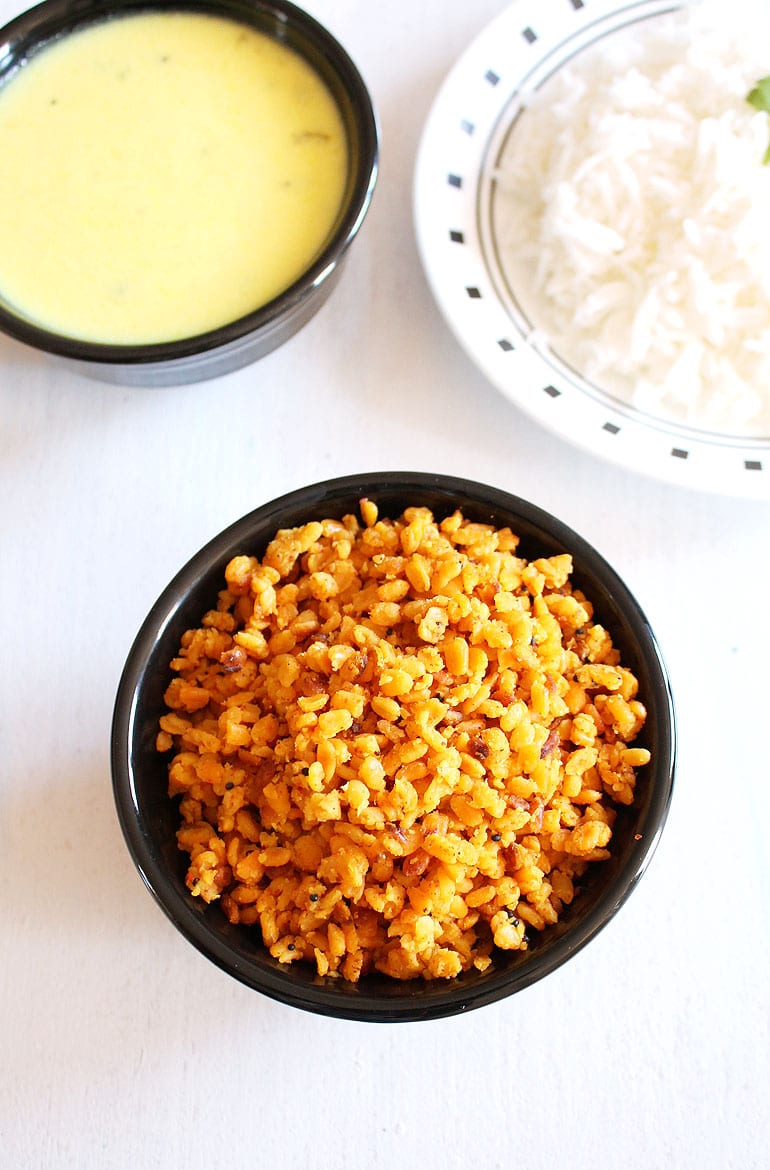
634, 207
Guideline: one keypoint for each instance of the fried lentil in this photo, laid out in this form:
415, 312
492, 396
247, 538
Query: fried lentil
398, 745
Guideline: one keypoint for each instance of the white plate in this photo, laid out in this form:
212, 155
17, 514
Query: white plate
452, 204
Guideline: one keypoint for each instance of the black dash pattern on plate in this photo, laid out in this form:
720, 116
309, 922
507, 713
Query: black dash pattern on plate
551, 391
457, 237
492, 77
611, 428
529, 34
473, 292
467, 127
505, 345
679, 453
455, 180
753, 464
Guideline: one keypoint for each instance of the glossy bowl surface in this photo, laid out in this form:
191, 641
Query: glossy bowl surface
149, 818
240, 342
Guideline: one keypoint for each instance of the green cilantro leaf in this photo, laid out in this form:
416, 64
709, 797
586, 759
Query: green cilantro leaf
759, 98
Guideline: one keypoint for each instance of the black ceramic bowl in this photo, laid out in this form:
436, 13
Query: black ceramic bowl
250, 337
149, 818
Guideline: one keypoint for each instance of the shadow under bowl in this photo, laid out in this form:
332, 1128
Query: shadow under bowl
240, 342
149, 817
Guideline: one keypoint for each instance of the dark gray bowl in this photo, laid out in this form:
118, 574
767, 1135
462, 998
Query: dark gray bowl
149, 818
221, 350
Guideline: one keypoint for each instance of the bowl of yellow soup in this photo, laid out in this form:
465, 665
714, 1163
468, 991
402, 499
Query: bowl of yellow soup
182, 181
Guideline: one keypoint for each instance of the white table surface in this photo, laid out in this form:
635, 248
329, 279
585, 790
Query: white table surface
120, 1045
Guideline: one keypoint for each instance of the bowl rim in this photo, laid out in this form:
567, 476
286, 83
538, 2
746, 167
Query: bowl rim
31, 31
442, 999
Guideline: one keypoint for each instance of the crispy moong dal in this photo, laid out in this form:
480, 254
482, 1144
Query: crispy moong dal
398, 745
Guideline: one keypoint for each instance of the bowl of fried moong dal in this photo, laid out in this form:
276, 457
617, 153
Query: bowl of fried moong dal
393, 746
182, 182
